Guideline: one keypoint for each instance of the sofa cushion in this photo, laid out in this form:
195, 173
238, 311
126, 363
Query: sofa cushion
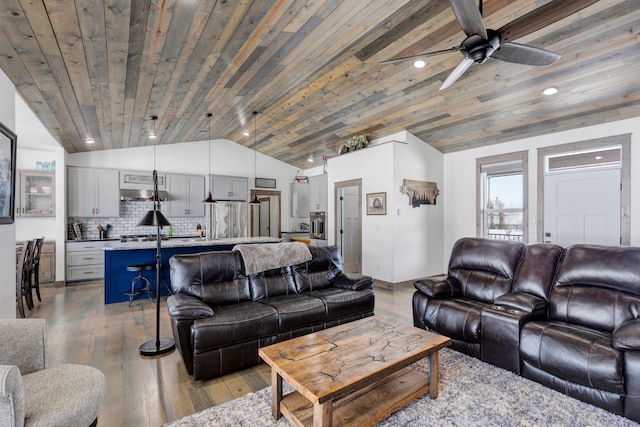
342, 303
213, 277
483, 268
296, 311
234, 324
596, 286
577, 354
536, 269
326, 263
272, 283
457, 318
84, 388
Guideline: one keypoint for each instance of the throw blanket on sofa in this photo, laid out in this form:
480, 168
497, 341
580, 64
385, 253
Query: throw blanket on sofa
268, 256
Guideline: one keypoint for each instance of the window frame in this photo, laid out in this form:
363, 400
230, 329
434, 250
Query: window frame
518, 156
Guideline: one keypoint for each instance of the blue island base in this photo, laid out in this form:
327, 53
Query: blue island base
117, 280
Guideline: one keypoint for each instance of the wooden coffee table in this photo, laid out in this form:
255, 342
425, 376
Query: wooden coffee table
353, 374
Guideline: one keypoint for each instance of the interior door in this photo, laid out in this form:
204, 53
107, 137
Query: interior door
582, 207
265, 216
349, 228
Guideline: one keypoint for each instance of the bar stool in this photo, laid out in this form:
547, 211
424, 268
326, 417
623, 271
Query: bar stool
136, 291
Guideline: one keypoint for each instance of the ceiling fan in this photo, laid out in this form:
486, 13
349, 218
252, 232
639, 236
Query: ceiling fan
482, 44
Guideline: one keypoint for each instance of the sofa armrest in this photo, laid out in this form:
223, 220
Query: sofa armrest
11, 395
353, 281
521, 301
436, 287
627, 336
181, 306
24, 344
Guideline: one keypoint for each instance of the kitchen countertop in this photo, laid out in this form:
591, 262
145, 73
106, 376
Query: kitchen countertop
186, 242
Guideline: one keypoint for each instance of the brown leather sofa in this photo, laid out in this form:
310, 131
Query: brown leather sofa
566, 318
221, 316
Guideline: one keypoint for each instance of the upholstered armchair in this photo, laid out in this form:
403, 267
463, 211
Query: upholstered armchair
31, 394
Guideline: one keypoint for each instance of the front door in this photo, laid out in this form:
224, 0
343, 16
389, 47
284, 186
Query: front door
582, 207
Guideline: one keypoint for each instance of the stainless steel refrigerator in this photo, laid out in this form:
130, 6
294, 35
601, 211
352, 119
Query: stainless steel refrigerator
230, 219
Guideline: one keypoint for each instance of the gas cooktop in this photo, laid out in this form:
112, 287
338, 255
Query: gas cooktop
142, 237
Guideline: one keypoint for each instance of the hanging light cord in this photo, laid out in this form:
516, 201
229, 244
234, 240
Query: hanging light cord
209, 117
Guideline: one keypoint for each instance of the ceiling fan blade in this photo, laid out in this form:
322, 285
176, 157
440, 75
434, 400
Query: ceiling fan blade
422, 55
469, 17
524, 54
459, 71
541, 17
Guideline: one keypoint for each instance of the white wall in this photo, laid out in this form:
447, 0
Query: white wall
406, 242
418, 232
460, 179
7, 231
35, 143
227, 158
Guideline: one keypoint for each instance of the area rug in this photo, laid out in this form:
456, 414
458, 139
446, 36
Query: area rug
472, 393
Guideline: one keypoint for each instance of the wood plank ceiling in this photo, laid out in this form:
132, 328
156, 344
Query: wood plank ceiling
98, 69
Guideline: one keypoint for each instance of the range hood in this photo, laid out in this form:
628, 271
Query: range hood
144, 195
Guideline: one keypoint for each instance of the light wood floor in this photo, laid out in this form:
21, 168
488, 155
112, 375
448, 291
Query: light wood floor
149, 391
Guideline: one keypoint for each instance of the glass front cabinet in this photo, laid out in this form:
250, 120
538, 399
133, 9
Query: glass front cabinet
37, 196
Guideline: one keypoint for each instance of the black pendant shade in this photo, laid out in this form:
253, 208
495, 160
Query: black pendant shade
209, 200
154, 218
255, 201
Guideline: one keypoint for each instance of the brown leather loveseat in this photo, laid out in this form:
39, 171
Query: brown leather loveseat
568, 318
221, 316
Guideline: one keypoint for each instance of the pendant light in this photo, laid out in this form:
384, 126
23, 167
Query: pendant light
255, 201
209, 200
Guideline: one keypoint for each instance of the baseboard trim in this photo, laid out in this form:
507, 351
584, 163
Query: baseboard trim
391, 286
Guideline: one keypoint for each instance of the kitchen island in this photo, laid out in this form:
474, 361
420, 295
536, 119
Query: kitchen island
118, 255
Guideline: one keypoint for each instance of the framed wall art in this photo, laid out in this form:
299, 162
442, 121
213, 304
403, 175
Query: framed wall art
376, 203
8, 143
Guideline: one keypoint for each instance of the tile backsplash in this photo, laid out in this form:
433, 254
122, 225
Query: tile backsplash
131, 212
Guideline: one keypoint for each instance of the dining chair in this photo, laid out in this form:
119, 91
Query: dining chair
34, 283
23, 277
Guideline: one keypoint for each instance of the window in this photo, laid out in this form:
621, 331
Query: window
502, 196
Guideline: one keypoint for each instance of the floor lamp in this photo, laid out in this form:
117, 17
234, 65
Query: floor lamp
155, 218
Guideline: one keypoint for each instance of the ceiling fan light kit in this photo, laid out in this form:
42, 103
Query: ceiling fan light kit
482, 43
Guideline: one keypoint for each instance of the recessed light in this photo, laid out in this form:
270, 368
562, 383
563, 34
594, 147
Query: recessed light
90, 141
599, 157
310, 160
550, 90
152, 137
246, 133
420, 63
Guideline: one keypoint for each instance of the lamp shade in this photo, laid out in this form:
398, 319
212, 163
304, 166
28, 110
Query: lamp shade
155, 218
255, 201
209, 200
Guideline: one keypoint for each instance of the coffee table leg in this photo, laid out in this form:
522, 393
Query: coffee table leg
276, 393
433, 375
323, 414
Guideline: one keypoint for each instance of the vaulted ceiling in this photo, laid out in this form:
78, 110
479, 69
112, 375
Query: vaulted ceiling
99, 69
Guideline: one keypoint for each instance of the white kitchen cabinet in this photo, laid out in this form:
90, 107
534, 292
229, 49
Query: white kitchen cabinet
93, 192
186, 193
229, 187
318, 193
36, 195
85, 260
300, 199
